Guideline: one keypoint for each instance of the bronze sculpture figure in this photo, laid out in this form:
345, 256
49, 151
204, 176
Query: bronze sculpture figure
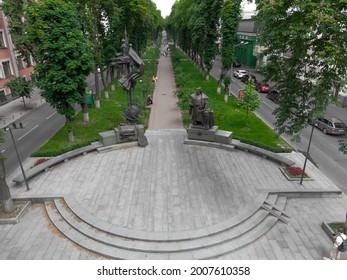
202, 116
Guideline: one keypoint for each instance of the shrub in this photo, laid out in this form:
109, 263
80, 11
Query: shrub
295, 171
40, 160
266, 147
183, 96
60, 151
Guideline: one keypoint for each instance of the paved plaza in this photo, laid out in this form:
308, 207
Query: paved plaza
171, 200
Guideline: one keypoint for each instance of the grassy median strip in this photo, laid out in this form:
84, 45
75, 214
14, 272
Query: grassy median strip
108, 116
228, 116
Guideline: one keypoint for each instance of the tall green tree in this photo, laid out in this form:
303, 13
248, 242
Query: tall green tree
211, 11
63, 56
250, 100
15, 10
230, 19
306, 44
21, 87
197, 28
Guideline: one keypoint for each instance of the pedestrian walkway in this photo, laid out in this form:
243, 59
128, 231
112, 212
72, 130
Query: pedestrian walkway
15, 109
173, 201
164, 113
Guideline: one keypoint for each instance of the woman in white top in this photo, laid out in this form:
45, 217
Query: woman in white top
339, 238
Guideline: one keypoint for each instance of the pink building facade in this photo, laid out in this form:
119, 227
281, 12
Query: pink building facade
11, 62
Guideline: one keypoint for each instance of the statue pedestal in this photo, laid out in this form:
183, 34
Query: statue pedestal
212, 135
123, 134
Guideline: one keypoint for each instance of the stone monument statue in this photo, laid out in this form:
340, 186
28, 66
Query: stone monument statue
202, 116
132, 67
202, 127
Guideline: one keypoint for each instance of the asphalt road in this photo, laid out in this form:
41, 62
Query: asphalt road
40, 125
324, 148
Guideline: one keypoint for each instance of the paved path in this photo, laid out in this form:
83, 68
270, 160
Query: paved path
169, 187
164, 113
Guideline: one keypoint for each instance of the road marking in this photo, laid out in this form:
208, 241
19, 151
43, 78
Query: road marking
3, 151
28, 132
268, 105
51, 115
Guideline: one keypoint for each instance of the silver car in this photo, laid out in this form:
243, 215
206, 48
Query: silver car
240, 73
329, 125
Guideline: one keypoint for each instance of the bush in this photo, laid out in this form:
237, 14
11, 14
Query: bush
183, 96
40, 160
266, 147
60, 151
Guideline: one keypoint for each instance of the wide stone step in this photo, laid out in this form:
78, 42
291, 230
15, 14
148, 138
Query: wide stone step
94, 221
118, 253
226, 234
204, 247
91, 245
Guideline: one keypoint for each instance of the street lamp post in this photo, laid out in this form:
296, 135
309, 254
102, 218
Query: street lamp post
143, 101
20, 163
308, 150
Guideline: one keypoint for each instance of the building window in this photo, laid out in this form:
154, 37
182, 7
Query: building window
19, 62
2, 41
7, 69
3, 98
1, 73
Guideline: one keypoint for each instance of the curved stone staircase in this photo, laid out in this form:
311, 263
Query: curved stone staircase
211, 242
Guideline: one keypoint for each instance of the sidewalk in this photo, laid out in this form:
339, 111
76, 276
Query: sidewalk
14, 109
164, 112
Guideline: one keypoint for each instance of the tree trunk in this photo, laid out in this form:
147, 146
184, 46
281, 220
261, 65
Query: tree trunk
86, 116
70, 131
84, 106
207, 75
337, 89
5, 195
220, 80
104, 83
226, 93
97, 89
71, 137
24, 102
113, 87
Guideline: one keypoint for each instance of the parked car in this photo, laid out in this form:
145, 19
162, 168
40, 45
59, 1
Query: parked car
262, 87
248, 77
329, 125
236, 64
240, 73
273, 95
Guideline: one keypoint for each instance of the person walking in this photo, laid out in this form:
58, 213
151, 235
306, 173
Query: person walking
336, 247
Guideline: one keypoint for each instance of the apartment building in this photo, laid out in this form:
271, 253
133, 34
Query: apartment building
11, 62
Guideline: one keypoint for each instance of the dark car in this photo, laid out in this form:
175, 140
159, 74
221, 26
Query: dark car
329, 125
236, 64
262, 87
273, 95
248, 77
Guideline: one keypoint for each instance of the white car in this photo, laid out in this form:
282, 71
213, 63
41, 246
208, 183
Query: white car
240, 73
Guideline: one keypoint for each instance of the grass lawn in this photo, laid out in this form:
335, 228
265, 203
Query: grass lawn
108, 116
336, 225
228, 116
